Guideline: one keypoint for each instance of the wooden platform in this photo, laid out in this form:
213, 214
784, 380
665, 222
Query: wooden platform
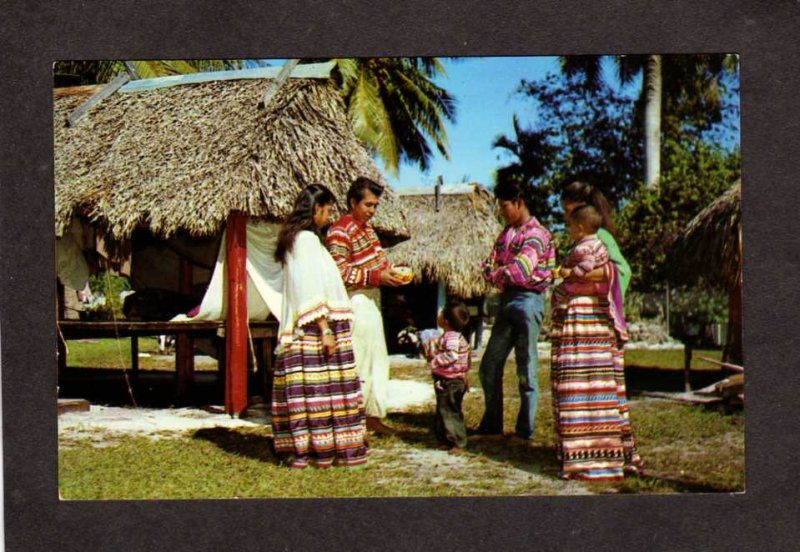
263, 334
72, 405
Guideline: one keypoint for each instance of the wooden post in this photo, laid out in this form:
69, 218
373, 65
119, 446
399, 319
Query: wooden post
135, 358
184, 345
733, 348
236, 323
61, 347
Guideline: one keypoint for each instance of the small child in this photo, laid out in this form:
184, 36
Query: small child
449, 360
587, 253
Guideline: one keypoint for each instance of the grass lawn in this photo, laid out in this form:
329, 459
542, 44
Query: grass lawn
685, 448
116, 353
670, 359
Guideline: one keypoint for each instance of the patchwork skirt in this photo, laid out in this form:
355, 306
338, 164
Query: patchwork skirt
317, 409
595, 440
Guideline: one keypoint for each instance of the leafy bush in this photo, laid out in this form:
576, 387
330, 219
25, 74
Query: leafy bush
694, 175
106, 288
697, 306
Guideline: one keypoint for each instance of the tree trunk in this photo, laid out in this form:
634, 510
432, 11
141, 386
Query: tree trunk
652, 119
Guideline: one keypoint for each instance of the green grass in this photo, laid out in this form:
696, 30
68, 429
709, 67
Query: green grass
684, 447
116, 354
670, 359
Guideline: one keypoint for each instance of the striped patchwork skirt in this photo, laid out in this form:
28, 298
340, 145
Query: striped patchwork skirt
595, 441
317, 409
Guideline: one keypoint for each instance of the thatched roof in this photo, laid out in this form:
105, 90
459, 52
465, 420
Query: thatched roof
183, 157
710, 247
448, 246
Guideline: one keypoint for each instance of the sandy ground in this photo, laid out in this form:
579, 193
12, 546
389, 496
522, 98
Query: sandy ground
160, 422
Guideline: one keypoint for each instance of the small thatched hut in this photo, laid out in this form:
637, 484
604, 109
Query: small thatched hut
710, 249
185, 157
446, 247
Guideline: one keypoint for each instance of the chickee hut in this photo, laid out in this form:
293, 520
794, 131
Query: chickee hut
188, 177
710, 249
455, 227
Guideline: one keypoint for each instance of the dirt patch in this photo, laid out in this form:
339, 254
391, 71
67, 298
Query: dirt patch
469, 473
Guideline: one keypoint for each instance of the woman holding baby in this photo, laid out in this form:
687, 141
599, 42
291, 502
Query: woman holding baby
595, 441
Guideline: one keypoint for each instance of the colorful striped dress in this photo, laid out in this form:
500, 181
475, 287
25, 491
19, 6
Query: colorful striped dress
595, 440
317, 409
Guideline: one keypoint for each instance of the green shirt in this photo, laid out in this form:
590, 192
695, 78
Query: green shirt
623, 268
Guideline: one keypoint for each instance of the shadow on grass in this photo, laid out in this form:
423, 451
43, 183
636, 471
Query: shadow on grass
257, 447
416, 428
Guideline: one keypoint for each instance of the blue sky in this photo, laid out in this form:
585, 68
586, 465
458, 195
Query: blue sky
484, 89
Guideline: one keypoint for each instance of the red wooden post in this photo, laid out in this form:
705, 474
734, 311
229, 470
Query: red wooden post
184, 345
236, 324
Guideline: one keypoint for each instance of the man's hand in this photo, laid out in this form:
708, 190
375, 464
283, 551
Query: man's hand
389, 279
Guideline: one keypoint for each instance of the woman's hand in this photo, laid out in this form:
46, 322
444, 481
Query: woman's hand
328, 339
328, 344
596, 275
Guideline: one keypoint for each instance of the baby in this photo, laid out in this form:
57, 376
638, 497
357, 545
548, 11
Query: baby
587, 253
449, 361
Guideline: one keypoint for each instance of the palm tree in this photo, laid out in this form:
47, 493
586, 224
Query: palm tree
396, 108
668, 81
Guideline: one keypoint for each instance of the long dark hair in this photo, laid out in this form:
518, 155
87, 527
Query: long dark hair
582, 192
302, 218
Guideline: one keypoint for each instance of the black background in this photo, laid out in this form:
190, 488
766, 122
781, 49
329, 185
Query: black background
34, 34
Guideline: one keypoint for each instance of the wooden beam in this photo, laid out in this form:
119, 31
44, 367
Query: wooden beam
727, 365
236, 322
131, 70
278, 82
109, 89
304, 71
184, 344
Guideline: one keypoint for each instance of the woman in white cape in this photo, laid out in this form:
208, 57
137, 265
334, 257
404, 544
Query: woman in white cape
317, 408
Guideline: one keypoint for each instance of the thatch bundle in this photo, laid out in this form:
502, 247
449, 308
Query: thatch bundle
181, 158
711, 246
447, 247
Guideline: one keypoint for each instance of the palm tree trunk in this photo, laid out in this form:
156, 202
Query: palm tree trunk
652, 120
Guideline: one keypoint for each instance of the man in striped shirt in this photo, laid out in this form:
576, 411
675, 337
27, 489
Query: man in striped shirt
519, 266
362, 263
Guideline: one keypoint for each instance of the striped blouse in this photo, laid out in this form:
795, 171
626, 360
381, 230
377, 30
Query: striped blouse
450, 356
357, 252
522, 257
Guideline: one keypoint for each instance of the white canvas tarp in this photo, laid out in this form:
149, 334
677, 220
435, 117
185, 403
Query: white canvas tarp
71, 267
264, 278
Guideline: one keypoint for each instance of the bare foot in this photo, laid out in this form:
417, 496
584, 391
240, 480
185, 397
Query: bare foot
376, 426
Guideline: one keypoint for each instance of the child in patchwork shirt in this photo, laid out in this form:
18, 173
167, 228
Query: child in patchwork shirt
587, 253
449, 360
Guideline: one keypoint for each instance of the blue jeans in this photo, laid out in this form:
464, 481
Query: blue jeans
516, 326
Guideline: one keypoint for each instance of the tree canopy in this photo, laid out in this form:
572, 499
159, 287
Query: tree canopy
587, 128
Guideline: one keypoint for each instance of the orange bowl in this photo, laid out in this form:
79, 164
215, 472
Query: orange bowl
403, 273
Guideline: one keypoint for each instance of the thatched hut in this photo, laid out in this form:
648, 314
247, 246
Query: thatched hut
710, 250
446, 247
184, 158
